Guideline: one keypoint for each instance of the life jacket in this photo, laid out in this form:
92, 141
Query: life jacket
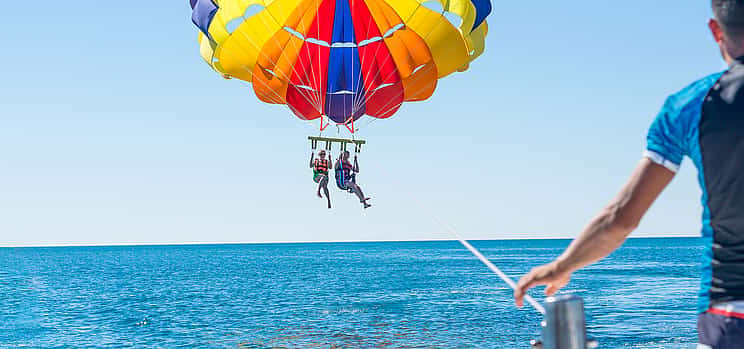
321, 165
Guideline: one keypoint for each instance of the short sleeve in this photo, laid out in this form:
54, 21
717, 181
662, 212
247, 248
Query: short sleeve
672, 134
667, 137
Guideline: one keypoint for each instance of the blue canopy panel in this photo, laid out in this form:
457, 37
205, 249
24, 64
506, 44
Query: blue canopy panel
482, 10
345, 93
203, 14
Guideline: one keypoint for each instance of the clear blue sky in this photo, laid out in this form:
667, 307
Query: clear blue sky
112, 130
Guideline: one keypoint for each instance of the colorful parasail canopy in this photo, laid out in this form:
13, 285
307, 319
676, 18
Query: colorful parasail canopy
341, 59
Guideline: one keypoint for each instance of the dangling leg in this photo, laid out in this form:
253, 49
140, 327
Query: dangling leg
358, 191
318, 178
324, 185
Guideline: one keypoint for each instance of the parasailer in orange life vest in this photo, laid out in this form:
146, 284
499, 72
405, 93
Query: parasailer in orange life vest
320, 167
346, 177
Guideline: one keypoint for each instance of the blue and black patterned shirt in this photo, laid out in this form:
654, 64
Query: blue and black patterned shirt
705, 121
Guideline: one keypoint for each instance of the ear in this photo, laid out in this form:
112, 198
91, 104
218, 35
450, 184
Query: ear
716, 30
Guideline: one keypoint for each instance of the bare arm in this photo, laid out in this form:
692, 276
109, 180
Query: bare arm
605, 233
312, 155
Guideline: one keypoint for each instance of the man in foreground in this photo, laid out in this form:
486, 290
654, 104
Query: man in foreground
704, 121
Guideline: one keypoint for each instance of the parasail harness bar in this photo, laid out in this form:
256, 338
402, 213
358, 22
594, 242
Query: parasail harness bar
342, 141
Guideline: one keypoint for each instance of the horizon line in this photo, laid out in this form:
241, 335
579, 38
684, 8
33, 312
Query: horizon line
207, 243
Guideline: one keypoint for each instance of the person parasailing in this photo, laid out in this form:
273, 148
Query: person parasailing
320, 167
346, 177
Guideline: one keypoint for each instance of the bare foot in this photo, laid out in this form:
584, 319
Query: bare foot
320, 196
366, 205
329, 204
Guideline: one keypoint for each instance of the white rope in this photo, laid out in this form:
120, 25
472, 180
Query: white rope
491, 266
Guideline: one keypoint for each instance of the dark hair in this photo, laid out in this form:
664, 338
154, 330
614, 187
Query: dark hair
730, 15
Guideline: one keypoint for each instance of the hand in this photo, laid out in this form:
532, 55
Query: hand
549, 274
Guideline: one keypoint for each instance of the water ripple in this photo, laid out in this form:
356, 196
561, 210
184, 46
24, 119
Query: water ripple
362, 295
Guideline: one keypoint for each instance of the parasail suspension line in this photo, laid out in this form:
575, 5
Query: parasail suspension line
324, 126
350, 128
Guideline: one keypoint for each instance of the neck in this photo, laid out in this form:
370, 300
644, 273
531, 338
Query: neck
733, 56
732, 50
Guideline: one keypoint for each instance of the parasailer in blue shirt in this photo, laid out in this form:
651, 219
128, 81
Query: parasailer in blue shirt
346, 177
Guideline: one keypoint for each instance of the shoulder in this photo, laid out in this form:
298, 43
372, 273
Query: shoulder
681, 110
670, 135
730, 87
682, 103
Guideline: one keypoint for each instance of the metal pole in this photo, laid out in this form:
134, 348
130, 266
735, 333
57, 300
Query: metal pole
564, 325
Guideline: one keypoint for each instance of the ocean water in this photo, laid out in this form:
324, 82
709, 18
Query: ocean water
333, 295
